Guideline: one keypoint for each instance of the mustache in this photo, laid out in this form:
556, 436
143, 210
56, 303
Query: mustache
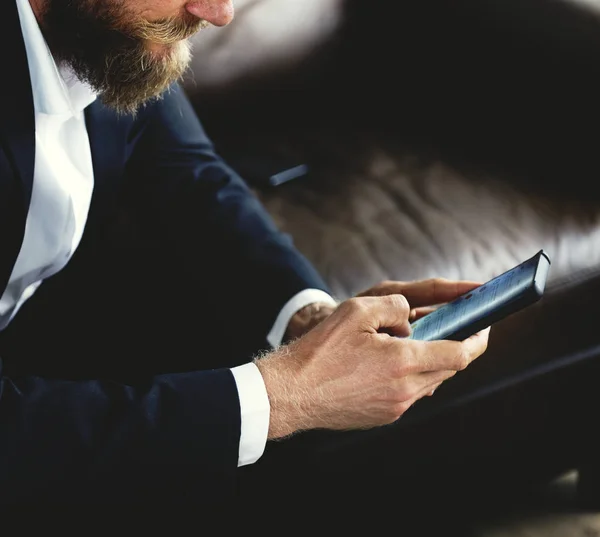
168, 31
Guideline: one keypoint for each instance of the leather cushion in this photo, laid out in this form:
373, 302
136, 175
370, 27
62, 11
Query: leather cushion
403, 217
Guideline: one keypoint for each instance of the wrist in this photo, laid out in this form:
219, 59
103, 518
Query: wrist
287, 399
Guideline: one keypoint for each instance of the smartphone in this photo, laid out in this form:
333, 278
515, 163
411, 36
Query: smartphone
503, 295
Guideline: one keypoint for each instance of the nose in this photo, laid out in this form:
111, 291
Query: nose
216, 12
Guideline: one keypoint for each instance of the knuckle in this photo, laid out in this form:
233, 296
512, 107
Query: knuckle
354, 306
449, 375
399, 369
400, 303
437, 282
401, 358
463, 360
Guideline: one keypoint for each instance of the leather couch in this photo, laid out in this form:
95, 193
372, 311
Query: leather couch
450, 139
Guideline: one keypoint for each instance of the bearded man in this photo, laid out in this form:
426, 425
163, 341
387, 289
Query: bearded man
157, 329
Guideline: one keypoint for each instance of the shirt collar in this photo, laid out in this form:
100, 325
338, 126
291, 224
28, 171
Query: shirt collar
54, 91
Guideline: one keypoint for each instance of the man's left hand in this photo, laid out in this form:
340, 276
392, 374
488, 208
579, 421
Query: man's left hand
423, 296
307, 318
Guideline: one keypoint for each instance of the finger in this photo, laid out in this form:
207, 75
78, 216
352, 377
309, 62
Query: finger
421, 384
431, 389
445, 355
389, 287
436, 291
403, 330
425, 393
424, 292
417, 313
477, 343
474, 346
378, 313
425, 382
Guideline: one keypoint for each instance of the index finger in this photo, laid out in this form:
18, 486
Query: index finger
449, 355
432, 291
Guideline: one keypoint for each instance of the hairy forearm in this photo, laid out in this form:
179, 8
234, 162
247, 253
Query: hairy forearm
287, 398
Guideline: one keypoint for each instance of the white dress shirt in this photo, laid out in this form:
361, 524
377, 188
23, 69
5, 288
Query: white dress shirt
63, 183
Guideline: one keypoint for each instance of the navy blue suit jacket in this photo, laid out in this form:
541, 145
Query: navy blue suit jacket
58, 436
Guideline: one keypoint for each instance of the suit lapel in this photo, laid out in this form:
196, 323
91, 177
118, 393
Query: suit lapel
17, 120
107, 135
17, 142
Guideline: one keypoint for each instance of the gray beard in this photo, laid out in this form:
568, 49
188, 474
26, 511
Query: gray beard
120, 68
136, 77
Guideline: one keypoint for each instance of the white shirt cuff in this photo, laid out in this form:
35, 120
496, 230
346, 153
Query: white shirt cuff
255, 412
293, 305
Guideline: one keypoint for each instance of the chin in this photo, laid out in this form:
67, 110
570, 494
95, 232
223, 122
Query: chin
167, 51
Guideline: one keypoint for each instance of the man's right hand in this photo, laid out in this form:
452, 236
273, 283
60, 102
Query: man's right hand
350, 372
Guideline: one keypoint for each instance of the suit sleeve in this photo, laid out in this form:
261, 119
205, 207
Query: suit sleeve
215, 225
101, 441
